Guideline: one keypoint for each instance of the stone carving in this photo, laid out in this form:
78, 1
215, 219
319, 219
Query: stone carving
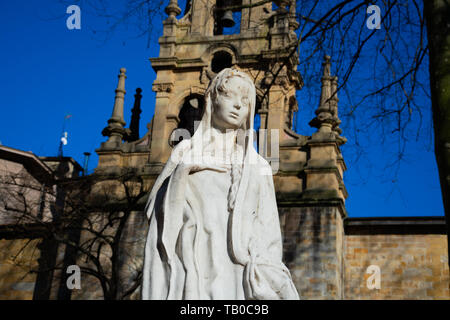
163, 87
214, 227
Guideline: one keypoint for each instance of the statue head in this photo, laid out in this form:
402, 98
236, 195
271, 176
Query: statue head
229, 105
232, 95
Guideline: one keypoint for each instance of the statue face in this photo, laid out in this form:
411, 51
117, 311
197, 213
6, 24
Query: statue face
231, 105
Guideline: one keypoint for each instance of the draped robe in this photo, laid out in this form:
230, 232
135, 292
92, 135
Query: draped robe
196, 248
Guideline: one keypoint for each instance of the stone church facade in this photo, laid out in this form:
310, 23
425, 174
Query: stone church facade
329, 255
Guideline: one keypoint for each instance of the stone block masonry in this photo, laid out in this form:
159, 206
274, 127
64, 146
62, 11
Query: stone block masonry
413, 266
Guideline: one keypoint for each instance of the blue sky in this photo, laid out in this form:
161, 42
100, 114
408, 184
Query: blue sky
50, 71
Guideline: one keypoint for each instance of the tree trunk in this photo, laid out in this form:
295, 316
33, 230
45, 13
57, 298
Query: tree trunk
437, 13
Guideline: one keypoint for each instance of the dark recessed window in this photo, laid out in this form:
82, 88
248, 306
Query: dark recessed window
220, 61
190, 116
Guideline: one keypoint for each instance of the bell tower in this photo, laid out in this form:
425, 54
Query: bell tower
210, 36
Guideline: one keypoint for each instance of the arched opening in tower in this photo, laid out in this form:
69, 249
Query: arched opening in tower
220, 61
190, 115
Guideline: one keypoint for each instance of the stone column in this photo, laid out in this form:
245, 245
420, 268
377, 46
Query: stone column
163, 125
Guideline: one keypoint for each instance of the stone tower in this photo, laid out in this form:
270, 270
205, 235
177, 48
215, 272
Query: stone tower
192, 50
308, 171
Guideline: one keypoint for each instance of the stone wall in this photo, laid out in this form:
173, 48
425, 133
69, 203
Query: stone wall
325, 263
17, 258
313, 250
413, 266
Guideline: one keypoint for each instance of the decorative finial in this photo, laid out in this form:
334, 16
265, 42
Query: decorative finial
326, 65
334, 103
117, 115
135, 116
173, 9
327, 119
115, 129
293, 23
324, 119
334, 111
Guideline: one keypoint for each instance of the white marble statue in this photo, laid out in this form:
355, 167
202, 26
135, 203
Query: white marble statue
214, 227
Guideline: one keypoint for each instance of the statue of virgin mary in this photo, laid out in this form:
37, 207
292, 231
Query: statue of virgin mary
214, 228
